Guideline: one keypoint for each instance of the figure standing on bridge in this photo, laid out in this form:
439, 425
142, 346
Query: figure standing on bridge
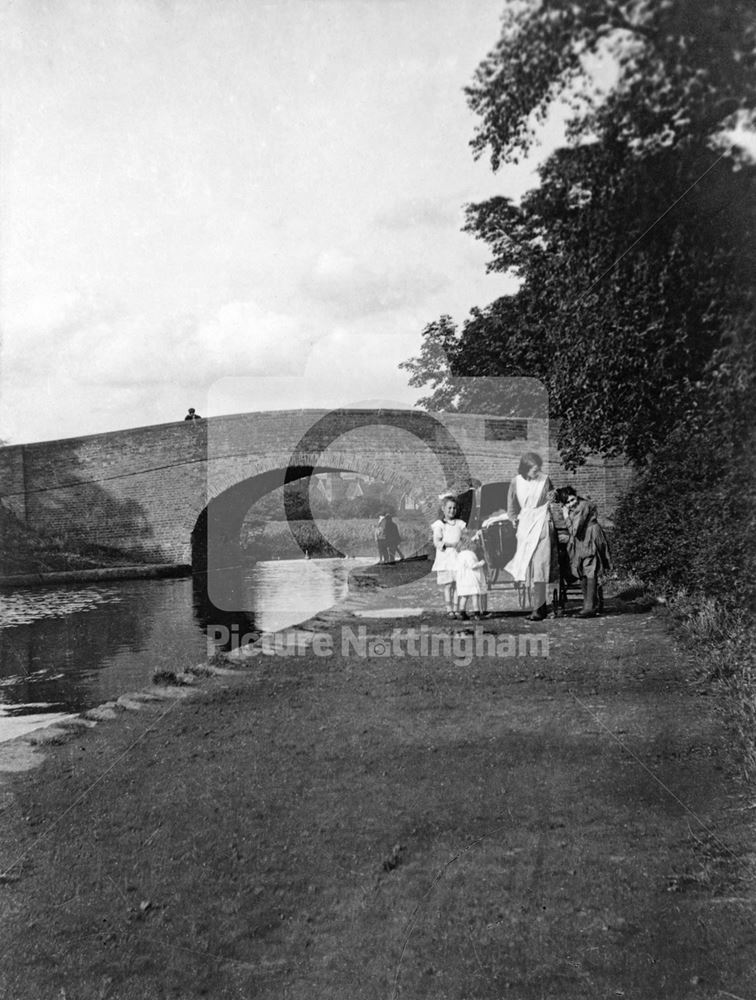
192, 414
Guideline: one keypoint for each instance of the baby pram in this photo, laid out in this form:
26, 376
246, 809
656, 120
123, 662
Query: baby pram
499, 540
497, 534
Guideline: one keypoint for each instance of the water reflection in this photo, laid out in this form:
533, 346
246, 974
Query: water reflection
65, 649
212, 620
101, 648
287, 591
29, 604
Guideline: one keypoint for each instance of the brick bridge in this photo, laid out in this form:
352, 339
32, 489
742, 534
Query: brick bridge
152, 491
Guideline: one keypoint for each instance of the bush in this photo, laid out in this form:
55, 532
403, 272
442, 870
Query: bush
686, 527
688, 520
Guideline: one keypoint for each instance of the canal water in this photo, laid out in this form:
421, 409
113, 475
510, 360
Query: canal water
66, 649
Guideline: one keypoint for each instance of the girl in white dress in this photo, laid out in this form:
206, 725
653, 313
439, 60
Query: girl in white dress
470, 575
527, 507
448, 532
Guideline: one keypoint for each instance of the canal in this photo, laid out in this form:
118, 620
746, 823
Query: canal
65, 649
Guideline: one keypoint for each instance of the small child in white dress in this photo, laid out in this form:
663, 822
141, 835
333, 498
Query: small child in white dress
448, 532
470, 575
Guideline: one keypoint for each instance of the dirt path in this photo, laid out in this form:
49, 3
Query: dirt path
395, 826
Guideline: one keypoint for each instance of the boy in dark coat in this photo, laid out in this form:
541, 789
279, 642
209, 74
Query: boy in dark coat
587, 546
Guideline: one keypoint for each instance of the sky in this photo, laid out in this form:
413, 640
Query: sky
194, 192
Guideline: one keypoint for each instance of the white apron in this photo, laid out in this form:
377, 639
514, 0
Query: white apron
451, 534
532, 528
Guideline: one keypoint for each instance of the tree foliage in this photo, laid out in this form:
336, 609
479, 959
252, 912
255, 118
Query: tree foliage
635, 251
684, 68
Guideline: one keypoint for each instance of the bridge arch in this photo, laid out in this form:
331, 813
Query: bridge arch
423, 426
222, 517
215, 535
215, 538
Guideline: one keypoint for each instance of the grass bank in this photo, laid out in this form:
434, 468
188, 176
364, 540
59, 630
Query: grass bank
725, 640
393, 826
353, 537
723, 637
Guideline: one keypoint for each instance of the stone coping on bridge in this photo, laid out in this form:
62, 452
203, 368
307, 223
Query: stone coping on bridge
194, 425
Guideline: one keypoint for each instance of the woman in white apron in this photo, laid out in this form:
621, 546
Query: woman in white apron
527, 507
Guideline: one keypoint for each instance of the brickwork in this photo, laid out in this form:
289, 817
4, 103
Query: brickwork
12, 486
143, 490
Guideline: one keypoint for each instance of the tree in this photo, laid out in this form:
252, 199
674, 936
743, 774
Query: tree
636, 250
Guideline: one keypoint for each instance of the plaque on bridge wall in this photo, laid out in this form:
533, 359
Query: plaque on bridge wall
507, 429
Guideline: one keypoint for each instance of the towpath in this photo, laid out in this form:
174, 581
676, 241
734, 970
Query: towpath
394, 824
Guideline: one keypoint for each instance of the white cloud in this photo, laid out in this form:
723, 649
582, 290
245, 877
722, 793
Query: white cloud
434, 213
41, 315
245, 337
102, 370
349, 367
145, 349
355, 287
